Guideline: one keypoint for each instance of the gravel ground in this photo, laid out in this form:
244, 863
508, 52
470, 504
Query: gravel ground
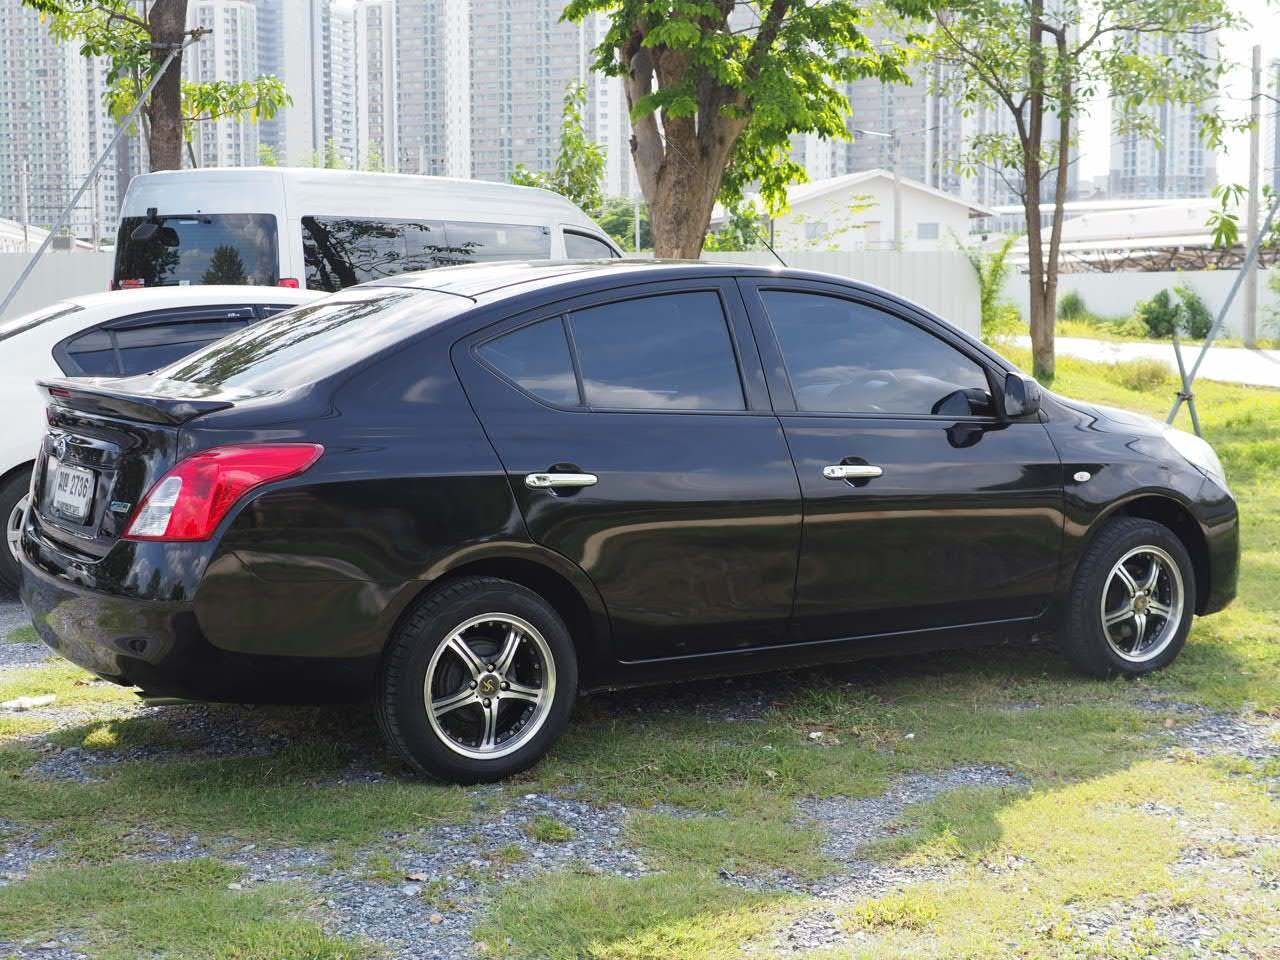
13, 616
419, 894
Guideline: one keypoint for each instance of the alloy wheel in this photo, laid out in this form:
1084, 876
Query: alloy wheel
1142, 603
13, 525
490, 686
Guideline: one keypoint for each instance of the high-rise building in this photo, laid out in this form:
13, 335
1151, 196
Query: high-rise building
337, 59
53, 126
1175, 162
229, 52
482, 85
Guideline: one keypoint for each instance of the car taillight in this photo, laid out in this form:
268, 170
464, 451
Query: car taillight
191, 500
290, 282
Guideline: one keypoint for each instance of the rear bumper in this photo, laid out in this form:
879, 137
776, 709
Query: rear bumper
161, 647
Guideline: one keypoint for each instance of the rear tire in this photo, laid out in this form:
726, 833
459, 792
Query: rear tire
478, 681
1132, 601
12, 493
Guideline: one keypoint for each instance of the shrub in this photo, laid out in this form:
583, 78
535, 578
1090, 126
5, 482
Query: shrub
1140, 375
1196, 318
1003, 320
1071, 306
1127, 327
1160, 315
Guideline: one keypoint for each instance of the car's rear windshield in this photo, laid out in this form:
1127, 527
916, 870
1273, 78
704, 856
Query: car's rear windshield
182, 249
312, 342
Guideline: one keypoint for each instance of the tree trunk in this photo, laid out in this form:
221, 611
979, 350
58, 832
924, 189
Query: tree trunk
168, 27
1043, 292
681, 210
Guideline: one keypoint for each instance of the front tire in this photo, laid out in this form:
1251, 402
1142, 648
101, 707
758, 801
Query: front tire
13, 496
478, 681
1132, 600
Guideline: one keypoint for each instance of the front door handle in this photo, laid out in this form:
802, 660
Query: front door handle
549, 481
851, 471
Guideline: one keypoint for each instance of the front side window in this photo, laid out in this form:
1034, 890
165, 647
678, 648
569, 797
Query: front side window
667, 352
849, 357
582, 246
537, 359
340, 252
234, 248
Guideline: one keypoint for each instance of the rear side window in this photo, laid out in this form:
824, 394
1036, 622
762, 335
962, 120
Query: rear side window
667, 352
146, 342
581, 246
537, 359
343, 251
143, 349
91, 354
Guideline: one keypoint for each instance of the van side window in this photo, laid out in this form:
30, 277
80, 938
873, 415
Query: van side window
667, 352
343, 251
536, 358
583, 246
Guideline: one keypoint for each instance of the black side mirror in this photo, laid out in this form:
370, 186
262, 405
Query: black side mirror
1021, 396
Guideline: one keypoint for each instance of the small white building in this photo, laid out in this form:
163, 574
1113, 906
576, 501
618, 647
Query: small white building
856, 212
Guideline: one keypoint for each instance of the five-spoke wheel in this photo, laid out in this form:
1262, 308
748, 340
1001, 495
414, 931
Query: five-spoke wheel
478, 681
1131, 604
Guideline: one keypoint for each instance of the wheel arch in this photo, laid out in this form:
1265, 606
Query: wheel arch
552, 577
26, 465
1173, 514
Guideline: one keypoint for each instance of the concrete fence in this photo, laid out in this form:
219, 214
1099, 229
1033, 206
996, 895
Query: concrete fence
941, 281
1117, 294
60, 274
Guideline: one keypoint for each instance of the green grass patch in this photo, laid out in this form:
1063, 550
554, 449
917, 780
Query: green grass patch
962, 823
739, 844
678, 916
71, 685
182, 911
547, 829
25, 634
119, 734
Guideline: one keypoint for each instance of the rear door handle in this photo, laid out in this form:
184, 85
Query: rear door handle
548, 481
851, 471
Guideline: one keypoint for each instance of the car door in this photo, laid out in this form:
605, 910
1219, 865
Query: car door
924, 509
635, 429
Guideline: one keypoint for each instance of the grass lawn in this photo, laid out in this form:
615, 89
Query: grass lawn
1103, 840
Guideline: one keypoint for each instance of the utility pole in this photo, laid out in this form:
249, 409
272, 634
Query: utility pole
24, 207
1255, 198
895, 150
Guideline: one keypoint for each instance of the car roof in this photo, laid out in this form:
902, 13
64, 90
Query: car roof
158, 298
477, 280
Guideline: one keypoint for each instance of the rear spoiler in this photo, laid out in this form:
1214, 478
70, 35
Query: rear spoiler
101, 397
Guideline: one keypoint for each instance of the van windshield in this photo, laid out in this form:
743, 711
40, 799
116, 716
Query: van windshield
203, 248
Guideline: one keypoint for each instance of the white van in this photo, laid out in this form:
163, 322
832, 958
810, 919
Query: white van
329, 229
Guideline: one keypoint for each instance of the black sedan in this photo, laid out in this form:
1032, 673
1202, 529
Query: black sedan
479, 491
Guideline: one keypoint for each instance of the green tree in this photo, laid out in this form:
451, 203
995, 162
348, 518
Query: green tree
579, 171
742, 229
992, 268
136, 39
225, 266
714, 104
618, 218
1040, 64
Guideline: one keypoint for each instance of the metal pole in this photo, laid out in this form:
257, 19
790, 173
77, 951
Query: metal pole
1255, 198
897, 195
93, 172
1251, 257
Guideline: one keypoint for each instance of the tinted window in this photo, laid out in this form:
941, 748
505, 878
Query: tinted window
343, 251
846, 357
91, 354
537, 358
314, 341
579, 246
143, 349
231, 248
668, 352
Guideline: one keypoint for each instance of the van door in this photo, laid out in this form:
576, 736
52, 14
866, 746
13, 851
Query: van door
636, 433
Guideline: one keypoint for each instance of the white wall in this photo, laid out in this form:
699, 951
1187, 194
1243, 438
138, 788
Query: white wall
58, 275
1116, 294
939, 280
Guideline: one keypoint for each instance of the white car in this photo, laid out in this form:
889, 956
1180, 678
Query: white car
105, 335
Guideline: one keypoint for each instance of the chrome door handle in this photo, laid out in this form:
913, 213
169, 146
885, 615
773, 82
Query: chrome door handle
851, 471
546, 481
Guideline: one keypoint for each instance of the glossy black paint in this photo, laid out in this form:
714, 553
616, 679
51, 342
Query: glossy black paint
712, 544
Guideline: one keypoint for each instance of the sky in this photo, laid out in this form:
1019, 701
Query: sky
1233, 164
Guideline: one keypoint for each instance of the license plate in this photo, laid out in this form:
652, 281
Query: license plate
72, 492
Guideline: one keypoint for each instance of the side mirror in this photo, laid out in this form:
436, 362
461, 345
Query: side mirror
1021, 396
